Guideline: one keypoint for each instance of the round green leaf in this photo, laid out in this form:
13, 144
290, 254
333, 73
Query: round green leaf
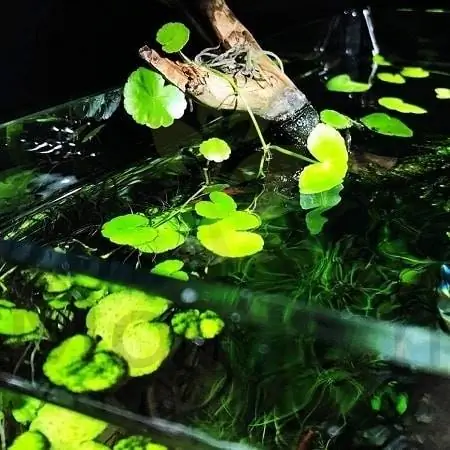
172, 36
30, 440
242, 220
215, 149
328, 146
335, 119
394, 78
397, 104
144, 346
226, 242
15, 321
171, 268
126, 229
415, 72
219, 206
442, 93
150, 102
385, 124
343, 83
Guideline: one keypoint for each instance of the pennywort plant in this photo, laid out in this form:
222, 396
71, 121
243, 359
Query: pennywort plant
155, 104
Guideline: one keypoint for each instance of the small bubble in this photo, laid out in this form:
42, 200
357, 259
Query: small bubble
235, 317
189, 296
264, 349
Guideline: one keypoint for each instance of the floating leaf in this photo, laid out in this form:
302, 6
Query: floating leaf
329, 148
150, 102
442, 93
171, 268
229, 237
394, 78
219, 206
215, 149
380, 60
135, 230
343, 83
335, 119
385, 124
226, 242
319, 203
126, 229
397, 104
415, 72
172, 36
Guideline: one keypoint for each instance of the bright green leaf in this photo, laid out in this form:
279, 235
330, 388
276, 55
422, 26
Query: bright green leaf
380, 60
171, 268
397, 104
401, 404
394, 78
335, 119
150, 102
385, 124
329, 148
30, 440
376, 402
172, 36
215, 149
415, 72
226, 242
144, 345
113, 313
241, 221
77, 428
122, 229
442, 93
195, 325
343, 83
319, 203
15, 321
219, 206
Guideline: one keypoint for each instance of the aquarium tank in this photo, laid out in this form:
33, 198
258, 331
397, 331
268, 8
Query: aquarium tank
187, 265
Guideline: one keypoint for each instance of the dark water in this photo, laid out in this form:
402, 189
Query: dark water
75, 167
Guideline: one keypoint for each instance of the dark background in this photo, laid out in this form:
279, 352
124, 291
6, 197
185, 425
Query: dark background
56, 50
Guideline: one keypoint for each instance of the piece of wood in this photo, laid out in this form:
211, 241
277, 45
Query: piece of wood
267, 91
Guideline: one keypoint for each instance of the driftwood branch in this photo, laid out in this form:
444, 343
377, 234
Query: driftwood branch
265, 89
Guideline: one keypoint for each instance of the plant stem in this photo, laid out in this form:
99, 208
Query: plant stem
289, 153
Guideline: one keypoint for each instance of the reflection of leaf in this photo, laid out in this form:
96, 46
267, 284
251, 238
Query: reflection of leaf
335, 119
394, 78
150, 102
415, 72
329, 148
172, 36
215, 149
343, 83
319, 203
385, 124
171, 268
380, 60
442, 93
397, 104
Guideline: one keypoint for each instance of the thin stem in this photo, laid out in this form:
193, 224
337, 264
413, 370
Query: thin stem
289, 153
